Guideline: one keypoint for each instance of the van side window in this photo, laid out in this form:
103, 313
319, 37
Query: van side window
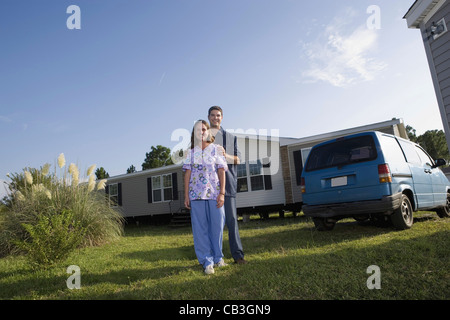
424, 157
410, 152
391, 149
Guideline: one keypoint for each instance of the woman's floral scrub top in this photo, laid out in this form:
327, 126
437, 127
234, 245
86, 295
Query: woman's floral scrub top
204, 183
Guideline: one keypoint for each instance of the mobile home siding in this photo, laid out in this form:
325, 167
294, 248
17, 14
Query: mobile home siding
135, 193
438, 54
268, 152
284, 155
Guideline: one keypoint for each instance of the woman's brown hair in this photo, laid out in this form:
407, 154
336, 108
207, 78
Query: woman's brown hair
210, 137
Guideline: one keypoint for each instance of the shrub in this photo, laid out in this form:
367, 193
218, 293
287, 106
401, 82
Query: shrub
40, 200
52, 238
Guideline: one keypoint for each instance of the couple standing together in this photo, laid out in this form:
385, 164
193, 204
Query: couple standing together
210, 184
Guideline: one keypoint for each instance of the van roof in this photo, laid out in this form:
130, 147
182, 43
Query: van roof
361, 134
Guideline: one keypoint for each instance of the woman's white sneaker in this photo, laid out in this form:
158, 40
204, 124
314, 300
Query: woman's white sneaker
209, 269
221, 263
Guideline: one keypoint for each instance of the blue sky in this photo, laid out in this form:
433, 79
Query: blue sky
138, 70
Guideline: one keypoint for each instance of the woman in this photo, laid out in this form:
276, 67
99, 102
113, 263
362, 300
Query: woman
204, 194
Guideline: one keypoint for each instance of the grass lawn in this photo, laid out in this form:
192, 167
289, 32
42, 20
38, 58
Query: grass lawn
288, 259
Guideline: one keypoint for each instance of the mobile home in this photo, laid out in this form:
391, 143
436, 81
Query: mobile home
268, 176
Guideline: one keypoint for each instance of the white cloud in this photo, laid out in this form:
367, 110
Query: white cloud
342, 58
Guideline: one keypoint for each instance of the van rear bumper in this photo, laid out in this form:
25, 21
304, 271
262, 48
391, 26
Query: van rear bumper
386, 204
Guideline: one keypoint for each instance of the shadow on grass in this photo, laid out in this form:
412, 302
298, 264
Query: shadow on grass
410, 269
32, 284
281, 266
304, 235
167, 254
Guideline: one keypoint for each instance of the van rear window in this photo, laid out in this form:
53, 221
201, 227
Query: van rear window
341, 153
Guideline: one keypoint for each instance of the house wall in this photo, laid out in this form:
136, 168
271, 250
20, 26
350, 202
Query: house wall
438, 54
268, 152
134, 187
134, 193
286, 171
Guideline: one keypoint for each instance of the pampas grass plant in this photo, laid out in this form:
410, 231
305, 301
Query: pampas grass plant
36, 195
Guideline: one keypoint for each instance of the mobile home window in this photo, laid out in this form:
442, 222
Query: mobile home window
167, 185
305, 153
242, 184
256, 177
156, 187
113, 193
300, 157
162, 188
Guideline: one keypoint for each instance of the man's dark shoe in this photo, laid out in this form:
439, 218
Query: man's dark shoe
241, 261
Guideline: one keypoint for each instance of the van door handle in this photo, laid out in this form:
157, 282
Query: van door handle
427, 170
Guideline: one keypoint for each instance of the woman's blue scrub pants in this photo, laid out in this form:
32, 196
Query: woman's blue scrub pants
207, 228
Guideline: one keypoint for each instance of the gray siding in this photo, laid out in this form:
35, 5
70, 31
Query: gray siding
438, 53
251, 149
135, 193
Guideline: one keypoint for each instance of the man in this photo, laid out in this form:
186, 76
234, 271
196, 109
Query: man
232, 155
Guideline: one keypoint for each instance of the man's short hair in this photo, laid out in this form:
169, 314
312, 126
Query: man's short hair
215, 108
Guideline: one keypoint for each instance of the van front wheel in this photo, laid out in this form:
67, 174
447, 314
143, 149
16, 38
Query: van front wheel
445, 211
402, 218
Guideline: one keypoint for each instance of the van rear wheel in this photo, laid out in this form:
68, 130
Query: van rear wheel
324, 224
402, 218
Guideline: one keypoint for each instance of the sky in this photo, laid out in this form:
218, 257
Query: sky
135, 72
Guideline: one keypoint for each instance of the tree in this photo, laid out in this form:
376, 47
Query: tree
411, 132
433, 141
101, 173
157, 157
131, 169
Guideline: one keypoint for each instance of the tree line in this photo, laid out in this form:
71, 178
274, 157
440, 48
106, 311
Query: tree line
159, 156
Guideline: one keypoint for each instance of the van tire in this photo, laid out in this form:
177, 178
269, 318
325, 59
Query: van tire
402, 218
445, 211
323, 224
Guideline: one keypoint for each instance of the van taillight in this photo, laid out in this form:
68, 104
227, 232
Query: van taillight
302, 185
384, 174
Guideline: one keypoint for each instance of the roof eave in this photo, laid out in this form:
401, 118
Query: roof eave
334, 134
419, 12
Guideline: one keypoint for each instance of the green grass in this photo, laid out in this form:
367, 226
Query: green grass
288, 259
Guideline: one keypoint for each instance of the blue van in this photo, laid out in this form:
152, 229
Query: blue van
372, 175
